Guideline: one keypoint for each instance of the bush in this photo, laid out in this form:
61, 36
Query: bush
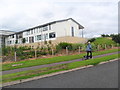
63, 45
76, 46
91, 40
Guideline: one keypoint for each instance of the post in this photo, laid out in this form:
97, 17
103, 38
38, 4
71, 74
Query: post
79, 49
15, 57
67, 50
105, 46
52, 52
112, 45
35, 53
98, 48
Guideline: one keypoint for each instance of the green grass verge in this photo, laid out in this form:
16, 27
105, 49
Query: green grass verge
52, 69
29, 63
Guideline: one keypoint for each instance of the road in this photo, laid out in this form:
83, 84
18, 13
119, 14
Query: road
100, 76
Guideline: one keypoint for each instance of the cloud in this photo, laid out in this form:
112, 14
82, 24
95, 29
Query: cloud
97, 16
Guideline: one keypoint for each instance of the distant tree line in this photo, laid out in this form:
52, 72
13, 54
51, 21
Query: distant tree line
115, 37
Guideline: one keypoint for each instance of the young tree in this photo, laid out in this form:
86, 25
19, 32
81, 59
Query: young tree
23, 40
16, 41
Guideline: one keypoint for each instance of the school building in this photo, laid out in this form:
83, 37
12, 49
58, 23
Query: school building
67, 30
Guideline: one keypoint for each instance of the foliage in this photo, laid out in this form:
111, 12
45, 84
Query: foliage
23, 40
16, 41
50, 60
91, 40
63, 45
116, 38
103, 41
105, 35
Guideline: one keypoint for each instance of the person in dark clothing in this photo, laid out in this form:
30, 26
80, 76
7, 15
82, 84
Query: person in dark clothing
89, 50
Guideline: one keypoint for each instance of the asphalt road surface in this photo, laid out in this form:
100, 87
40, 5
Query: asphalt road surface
100, 76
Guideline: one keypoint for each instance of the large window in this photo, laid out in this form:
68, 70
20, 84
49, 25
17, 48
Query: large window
39, 37
72, 30
45, 28
31, 39
12, 36
26, 39
31, 31
45, 36
52, 35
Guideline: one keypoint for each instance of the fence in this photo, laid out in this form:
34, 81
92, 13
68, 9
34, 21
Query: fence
29, 53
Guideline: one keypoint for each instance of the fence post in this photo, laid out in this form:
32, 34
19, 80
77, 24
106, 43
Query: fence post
35, 53
98, 47
79, 49
105, 46
15, 57
67, 50
52, 52
112, 45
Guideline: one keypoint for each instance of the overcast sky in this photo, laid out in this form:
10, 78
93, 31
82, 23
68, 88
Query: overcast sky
97, 16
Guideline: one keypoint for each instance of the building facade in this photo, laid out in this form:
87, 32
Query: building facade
3, 35
47, 32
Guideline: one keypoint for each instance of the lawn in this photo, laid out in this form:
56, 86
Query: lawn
29, 63
52, 69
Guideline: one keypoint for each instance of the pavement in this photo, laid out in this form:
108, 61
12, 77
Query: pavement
48, 65
99, 76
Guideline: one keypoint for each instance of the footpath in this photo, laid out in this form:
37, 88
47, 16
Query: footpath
53, 64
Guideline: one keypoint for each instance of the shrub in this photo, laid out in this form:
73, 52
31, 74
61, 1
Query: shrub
63, 45
91, 40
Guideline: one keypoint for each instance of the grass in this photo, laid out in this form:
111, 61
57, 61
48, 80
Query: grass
29, 63
104, 40
52, 69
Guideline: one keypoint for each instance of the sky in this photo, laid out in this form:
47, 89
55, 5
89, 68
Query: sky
97, 16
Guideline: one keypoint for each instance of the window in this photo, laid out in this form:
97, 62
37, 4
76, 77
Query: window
31, 39
49, 27
45, 36
12, 36
72, 31
26, 39
13, 42
28, 32
31, 31
52, 35
37, 30
39, 37
45, 28
10, 42
35, 38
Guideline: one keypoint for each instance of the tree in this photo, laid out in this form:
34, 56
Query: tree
16, 41
107, 35
91, 40
103, 35
116, 38
23, 40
